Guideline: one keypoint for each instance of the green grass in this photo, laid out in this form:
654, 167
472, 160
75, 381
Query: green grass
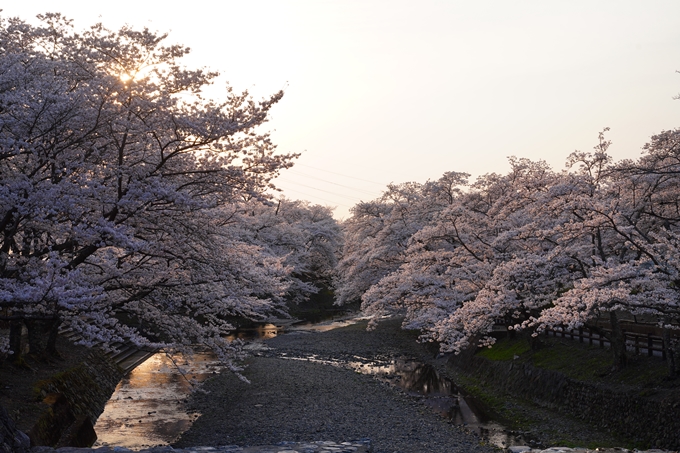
506, 349
574, 360
582, 362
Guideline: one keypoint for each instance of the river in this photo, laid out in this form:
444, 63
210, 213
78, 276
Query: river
148, 407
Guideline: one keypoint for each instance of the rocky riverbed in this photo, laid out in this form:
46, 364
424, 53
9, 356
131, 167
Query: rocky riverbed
300, 400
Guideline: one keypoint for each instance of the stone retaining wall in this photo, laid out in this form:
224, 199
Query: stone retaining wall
653, 419
74, 400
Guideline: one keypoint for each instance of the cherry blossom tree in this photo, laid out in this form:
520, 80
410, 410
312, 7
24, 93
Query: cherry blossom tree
118, 182
531, 250
633, 222
454, 282
378, 232
306, 237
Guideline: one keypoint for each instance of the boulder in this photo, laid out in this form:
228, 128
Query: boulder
12, 440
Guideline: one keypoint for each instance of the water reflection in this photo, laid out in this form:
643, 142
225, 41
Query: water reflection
265, 331
442, 396
147, 407
259, 332
322, 326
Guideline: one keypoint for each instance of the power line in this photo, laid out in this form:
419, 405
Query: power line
320, 190
340, 174
318, 198
334, 183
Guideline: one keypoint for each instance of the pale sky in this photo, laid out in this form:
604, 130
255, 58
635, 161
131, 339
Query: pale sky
395, 91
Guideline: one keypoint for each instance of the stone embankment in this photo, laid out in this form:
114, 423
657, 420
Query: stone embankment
645, 416
74, 399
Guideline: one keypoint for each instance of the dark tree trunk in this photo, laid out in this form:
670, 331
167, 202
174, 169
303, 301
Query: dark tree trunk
15, 328
51, 347
42, 337
618, 342
669, 352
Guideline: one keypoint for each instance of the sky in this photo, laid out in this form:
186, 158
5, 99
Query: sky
380, 92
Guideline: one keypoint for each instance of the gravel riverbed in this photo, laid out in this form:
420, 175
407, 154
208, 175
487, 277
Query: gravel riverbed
299, 400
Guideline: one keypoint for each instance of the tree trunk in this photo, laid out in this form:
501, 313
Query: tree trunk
42, 337
618, 341
15, 328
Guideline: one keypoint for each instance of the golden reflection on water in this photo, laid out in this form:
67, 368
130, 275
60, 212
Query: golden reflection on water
264, 331
147, 407
324, 327
269, 330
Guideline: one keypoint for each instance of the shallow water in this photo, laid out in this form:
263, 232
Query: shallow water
270, 330
147, 407
261, 332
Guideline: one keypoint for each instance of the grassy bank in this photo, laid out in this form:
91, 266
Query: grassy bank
583, 362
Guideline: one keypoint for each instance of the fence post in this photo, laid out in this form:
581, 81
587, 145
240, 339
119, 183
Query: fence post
650, 345
580, 334
637, 344
590, 336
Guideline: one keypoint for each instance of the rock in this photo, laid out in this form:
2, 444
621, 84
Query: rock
519, 449
53, 422
80, 434
42, 449
12, 440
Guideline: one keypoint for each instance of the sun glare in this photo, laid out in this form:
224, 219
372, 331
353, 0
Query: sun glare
137, 74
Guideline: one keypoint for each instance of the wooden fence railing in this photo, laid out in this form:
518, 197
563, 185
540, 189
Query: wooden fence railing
639, 343
640, 338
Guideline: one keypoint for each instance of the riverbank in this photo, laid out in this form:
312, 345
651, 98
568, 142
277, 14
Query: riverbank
19, 384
